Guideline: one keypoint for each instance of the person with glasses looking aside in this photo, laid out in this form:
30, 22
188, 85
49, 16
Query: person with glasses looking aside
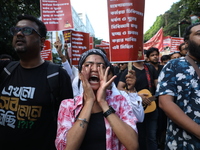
26, 107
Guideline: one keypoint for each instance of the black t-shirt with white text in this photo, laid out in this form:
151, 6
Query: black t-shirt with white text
27, 121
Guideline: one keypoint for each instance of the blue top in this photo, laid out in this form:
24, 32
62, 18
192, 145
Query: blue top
179, 79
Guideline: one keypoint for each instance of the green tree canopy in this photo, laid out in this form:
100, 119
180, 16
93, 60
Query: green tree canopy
179, 13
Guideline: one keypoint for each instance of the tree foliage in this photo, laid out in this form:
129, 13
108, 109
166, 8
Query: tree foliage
9, 10
179, 13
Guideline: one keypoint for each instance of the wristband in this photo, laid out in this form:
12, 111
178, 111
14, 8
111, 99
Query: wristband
108, 112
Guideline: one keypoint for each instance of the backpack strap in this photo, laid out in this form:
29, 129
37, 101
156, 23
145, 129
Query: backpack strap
53, 81
7, 70
148, 78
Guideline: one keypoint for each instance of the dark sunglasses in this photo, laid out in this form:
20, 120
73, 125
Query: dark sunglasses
24, 30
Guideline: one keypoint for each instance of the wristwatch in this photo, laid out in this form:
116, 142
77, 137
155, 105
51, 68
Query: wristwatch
108, 112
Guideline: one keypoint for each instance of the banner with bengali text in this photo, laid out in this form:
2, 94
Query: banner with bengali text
79, 41
46, 53
175, 42
56, 14
106, 49
166, 41
126, 30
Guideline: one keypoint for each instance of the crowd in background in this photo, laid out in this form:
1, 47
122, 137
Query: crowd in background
98, 105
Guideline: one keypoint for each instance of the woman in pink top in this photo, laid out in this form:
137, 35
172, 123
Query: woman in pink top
97, 119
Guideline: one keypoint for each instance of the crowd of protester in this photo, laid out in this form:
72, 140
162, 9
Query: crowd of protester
98, 105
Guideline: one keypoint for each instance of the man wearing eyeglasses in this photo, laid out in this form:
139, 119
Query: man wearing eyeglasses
27, 118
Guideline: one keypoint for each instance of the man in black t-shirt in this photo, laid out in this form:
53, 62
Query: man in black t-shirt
146, 78
28, 116
153, 56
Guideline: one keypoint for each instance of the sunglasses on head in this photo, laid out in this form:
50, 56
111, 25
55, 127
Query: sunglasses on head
24, 30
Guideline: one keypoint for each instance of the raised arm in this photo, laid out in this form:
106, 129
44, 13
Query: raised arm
76, 134
125, 133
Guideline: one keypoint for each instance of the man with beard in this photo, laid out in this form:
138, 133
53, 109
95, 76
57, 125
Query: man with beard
27, 105
178, 90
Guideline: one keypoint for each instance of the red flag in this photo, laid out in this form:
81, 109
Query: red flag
155, 41
56, 15
126, 30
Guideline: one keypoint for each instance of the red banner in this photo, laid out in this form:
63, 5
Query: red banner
155, 41
67, 38
175, 42
105, 43
106, 48
167, 41
126, 30
46, 52
79, 44
56, 15
91, 42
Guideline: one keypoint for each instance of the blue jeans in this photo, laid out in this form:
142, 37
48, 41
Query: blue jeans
147, 131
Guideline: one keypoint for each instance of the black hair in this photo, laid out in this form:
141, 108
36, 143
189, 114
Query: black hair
188, 31
41, 25
111, 70
181, 46
165, 57
151, 50
145, 51
175, 52
103, 50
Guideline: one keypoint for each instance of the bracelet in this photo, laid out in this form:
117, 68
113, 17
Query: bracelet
108, 112
84, 120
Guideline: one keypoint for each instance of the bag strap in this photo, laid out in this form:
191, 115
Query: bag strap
53, 81
148, 77
7, 70
194, 65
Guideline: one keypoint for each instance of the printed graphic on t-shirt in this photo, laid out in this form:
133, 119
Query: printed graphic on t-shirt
14, 115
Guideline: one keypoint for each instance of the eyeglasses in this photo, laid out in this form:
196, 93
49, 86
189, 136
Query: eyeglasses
24, 30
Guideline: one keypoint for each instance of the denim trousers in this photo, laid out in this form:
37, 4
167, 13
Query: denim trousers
147, 131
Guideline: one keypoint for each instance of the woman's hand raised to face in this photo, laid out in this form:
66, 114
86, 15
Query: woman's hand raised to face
105, 82
88, 93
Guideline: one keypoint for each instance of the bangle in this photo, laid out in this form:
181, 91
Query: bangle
84, 120
108, 112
